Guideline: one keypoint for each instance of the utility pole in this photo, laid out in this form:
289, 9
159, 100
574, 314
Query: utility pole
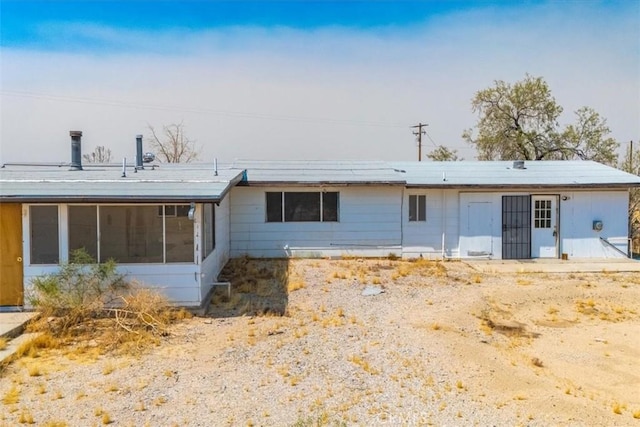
419, 134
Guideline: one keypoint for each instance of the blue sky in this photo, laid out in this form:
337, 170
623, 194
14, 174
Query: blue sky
20, 17
299, 79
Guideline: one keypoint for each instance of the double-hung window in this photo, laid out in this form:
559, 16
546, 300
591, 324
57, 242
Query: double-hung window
417, 208
298, 206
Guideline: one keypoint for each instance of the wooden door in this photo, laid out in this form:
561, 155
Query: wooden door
11, 272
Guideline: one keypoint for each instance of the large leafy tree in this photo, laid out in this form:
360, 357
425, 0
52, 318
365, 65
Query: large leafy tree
172, 144
520, 121
631, 163
443, 154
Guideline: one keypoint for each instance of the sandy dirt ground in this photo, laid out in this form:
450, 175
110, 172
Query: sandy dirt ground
443, 344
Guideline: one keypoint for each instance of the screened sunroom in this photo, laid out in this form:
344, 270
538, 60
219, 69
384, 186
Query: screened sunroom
166, 227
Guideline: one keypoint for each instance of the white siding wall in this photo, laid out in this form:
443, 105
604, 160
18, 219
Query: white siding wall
369, 225
213, 264
577, 213
425, 238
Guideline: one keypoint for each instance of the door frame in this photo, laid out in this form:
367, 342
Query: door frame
555, 215
12, 264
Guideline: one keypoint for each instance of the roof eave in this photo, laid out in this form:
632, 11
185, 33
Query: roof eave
110, 199
319, 183
620, 186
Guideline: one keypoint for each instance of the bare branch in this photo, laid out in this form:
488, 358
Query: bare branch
173, 145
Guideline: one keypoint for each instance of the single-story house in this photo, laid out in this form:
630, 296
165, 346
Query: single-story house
174, 226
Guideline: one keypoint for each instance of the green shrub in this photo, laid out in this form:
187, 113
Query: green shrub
79, 290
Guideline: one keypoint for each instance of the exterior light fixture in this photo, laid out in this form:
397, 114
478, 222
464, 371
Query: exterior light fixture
192, 211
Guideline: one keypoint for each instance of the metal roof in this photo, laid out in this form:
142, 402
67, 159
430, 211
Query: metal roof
106, 183
310, 172
502, 174
198, 182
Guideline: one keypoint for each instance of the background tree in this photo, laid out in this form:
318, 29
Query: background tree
520, 122
443, 154
99, 155
631, 163
172, 145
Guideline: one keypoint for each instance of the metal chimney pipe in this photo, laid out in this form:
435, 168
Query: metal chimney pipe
76, 150
139, 164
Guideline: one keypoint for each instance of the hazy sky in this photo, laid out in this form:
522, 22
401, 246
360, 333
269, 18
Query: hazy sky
299, 80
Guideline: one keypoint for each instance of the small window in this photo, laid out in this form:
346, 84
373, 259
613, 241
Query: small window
417, 208
299, 206
542, 214
274, 206
330, 206
169, 210
44, 235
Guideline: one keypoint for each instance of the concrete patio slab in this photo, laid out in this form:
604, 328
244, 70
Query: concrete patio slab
12, 324
541, 265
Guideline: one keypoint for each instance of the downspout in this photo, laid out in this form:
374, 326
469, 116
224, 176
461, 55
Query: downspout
444, 222
402, 222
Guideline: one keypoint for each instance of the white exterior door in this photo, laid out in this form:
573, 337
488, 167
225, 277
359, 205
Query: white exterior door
479, 240
544, 227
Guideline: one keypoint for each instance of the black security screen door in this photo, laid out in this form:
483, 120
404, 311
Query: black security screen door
516, 227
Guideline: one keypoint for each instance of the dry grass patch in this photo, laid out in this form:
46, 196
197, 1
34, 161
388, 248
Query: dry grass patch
258, 287
35, 369
12, 396
618, 408
537, 362
510, 328
33, 347
364, 364
25, 417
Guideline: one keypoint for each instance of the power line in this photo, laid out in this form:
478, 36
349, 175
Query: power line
236, 114
432, 141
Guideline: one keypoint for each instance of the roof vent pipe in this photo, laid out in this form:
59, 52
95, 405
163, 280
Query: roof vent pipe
139, 152
76, 150
518, 164
215, 166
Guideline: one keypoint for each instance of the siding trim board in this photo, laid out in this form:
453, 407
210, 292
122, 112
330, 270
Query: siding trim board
531, 187
319, 183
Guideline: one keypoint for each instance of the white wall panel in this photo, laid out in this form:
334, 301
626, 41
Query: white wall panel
214, 263
577, 213
425, 238
369, 225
